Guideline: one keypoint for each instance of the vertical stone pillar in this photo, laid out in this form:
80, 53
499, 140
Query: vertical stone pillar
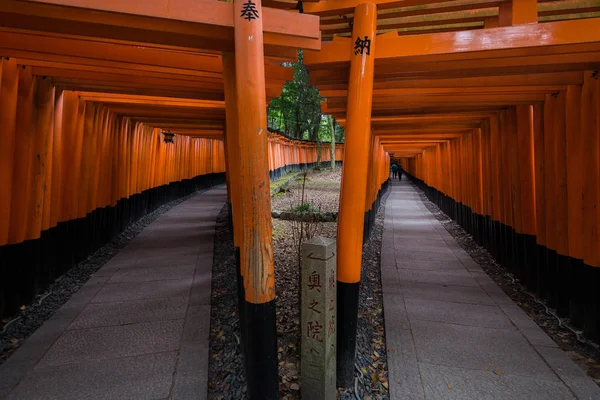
318, 319
256, 252
354, 186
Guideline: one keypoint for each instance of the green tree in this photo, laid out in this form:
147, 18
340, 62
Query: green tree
297, 112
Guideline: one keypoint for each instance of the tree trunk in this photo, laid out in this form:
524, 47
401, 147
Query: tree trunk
332, 129
318, 166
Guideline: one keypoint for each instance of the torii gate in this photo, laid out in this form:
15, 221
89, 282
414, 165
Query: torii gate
245, 32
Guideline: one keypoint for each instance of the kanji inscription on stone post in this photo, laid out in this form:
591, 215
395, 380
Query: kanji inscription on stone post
318, 318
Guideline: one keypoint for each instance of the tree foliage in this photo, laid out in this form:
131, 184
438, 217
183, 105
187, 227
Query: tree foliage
297, 112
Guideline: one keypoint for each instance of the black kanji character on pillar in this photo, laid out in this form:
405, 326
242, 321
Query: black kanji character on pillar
360, 46
249, 11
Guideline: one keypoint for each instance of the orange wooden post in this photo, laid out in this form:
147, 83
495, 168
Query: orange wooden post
460, 178
527, 247
49, 157
563, 283
479, 185
87, 162
41, 130
370, 183
540, 194
56, 194
506, 192
574, 178
354, 185
497, 169
8, 113
590, 141
22, 157
511, 145
552, 107
256, 253
23, 288
487, 178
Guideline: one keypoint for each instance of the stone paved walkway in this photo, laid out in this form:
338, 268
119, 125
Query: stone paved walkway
139, 328
451, 332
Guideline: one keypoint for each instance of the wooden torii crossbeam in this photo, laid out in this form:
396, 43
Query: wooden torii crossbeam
199, 24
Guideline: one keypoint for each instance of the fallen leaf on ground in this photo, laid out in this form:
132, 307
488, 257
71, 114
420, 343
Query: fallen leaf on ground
498, 372
450, 387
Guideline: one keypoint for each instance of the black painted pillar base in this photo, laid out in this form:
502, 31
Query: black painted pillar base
258, 343
531, 272
591, 302
564, 293
577, 301
261, 351
347, 319
553, 282
542, 271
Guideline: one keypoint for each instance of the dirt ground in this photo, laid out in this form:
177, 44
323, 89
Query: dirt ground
322, 192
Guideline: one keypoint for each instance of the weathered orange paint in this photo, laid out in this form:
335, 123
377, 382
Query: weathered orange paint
48, 157
42, 124
526, 168
540, 173
590, 137
257, 245
9, 76
551, 107
23, 151
574, 167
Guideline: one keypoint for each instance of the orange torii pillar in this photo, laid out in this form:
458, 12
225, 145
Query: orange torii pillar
354, 186
256, 252
232, 151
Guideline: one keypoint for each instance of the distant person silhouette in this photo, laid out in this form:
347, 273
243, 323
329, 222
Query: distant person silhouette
394, 170
400, 172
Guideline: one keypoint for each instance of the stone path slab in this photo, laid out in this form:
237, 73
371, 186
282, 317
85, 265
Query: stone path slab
451, 332
138, 329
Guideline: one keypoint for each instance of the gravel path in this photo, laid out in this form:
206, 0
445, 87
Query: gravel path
371, 356
226, 379
586, 355
19, 327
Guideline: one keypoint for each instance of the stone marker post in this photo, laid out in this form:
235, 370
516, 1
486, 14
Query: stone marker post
318, 319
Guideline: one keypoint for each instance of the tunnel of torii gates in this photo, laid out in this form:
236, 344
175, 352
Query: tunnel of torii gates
494, 113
